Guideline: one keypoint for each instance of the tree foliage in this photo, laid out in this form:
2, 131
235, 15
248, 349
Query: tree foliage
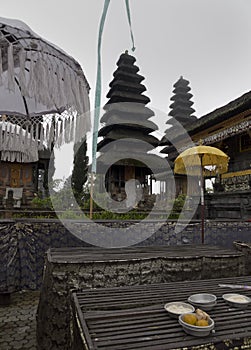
80, 169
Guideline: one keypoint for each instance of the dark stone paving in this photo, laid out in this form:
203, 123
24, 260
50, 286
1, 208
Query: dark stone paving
18, 322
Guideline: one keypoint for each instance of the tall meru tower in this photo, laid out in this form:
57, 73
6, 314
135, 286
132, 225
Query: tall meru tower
126, 119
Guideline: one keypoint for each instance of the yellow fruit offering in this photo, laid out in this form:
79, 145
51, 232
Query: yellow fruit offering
190, 319
202, 323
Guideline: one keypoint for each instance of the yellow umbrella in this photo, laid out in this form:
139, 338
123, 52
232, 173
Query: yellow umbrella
203, 161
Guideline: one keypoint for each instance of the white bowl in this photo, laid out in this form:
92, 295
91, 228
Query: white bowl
237, 300
205, 301
177, 308
197, 331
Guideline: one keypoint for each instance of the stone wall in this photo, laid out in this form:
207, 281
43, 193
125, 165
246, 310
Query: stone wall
23, 243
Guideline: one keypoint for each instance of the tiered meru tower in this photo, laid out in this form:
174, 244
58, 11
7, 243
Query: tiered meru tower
181, 113
126, 122
181, 109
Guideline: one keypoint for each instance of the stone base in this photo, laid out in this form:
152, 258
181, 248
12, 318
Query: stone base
71, 269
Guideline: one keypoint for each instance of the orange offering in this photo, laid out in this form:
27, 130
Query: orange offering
190, 319
202, 323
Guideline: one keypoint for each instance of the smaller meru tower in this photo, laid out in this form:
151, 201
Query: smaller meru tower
126, 120
182, 117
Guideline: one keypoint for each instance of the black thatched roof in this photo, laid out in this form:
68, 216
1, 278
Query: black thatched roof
221, 114
181, 108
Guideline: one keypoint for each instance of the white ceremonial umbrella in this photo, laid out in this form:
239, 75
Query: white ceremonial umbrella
42, 89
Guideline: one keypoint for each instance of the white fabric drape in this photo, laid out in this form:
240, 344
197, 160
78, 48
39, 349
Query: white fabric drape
43, 85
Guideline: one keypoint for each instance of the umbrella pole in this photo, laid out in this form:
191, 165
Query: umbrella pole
202, 201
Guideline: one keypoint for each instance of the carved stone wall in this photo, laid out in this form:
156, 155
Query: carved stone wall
237, 183
23, 244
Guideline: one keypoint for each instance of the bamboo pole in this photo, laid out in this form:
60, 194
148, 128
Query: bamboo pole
91, 195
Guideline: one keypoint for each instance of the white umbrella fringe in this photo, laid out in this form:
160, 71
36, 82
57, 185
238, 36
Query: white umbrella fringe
20, 150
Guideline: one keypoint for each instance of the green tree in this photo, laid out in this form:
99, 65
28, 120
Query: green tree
80, 169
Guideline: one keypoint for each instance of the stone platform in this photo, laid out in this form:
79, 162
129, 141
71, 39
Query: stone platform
69, 269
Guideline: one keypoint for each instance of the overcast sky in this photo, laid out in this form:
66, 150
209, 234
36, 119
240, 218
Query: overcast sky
206, 41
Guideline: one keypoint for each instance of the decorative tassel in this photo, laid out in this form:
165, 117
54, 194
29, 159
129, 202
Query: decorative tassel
61, 134
21, 138
41, 138
52, 84
5, 134
78, 129
49, 80
85, 106
60, 97
56, 133
45, 81
37, 134
82, 97
66, 130
10, 137
51, 135
75, 92
26, 137
70, 94
47, 133
31, 83
67, 85
31, 135
82, 126
38, 78
15, 144
72, 128
44, 96
11, 81
21, 75
67, 134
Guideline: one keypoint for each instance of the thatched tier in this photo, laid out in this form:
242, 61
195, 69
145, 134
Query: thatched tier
145, 128
150, 162
126, 110
120, 85
126, 76
123, 96
118, 134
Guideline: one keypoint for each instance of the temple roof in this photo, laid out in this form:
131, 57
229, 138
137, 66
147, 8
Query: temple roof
126, 115
181, 109
237, 106
127, 110
124, 146
147, 127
